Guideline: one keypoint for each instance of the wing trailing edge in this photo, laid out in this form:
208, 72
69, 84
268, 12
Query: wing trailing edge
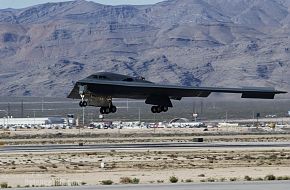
259, 95
260, 92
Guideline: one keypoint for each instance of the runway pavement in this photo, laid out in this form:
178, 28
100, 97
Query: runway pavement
140, 146
274, 185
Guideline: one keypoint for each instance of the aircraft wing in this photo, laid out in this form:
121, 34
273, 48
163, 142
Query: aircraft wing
133, 90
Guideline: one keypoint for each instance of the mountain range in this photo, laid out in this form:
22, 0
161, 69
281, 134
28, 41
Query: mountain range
45, 49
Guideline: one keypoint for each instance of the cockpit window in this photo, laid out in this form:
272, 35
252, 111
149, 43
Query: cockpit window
128, 79
100, 77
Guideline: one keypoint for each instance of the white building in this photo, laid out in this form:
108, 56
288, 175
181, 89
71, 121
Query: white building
32, 121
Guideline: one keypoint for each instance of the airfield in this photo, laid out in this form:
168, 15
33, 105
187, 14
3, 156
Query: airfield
65, 157
252, 155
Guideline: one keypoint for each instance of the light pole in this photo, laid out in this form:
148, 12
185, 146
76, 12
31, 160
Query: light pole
127, 105
139, 114
42, 107
34, 117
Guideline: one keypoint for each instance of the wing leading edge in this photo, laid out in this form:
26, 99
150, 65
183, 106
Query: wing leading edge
250, 92
123, 89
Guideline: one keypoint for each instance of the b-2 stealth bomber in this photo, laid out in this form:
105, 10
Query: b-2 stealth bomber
99, 90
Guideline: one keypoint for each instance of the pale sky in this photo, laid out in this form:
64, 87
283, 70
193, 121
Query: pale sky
25, 3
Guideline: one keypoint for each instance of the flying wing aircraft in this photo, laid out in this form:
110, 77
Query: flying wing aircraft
99, 90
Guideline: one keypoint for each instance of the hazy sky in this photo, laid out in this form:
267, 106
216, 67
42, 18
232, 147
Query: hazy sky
25, 3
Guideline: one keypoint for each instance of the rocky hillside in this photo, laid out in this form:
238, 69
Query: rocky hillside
44, 49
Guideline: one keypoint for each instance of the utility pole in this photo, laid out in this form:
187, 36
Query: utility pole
42, 105
34, 117
253, 119
8, 110
139, 114
258, 115
201, 107
226, 116
22, 109
127, 105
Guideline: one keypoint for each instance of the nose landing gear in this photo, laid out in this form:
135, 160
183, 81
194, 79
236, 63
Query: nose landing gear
82, 90
83, 103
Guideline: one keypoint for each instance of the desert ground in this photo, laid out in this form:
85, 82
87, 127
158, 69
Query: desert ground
43, 169
20, 169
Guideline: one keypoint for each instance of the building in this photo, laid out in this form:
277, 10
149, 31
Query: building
8, 121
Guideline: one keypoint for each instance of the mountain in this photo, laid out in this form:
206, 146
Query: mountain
45, 48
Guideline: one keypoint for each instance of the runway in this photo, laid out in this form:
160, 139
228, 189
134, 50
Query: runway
140, 146
277, 185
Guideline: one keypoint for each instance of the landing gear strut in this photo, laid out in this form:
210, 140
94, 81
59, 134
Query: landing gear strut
107, 110
159, 109
82, 90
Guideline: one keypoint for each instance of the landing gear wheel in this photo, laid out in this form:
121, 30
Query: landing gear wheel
107, 110
102, 110
83, 104
164, 108
154, 109
159, 109
113, 109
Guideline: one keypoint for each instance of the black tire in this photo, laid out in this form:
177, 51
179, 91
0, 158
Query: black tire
85, 103
113, 109
107, 110
159, 109
81, 104
102, 110
164, 108
154, 109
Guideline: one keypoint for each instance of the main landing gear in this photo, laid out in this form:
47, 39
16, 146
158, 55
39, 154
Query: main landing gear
107, 110
159, 109
103, 110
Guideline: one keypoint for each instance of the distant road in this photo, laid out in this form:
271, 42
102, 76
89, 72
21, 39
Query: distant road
138, 146
274, 185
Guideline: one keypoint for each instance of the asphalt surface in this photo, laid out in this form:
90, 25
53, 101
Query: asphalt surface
273, 185
91, 147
